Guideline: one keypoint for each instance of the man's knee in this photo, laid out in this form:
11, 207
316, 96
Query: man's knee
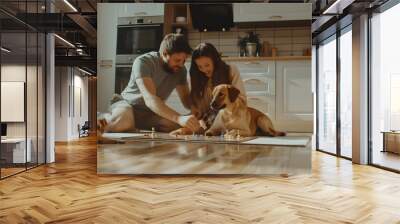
121, 119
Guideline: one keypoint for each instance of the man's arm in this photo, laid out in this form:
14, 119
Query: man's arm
152, 101
184, 95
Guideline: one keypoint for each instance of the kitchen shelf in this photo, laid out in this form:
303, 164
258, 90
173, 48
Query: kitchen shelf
171, 12
277, 58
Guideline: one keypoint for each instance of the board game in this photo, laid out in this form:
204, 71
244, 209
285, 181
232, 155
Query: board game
157, 136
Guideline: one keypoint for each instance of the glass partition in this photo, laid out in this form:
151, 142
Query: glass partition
15, 149
22, 64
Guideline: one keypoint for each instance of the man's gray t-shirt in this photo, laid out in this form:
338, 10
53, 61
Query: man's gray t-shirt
151, 65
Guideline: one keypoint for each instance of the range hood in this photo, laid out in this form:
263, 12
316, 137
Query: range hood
212, 17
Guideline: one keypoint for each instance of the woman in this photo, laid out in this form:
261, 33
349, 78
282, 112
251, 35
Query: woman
207, 71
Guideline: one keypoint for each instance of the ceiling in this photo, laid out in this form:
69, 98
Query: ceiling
80, 26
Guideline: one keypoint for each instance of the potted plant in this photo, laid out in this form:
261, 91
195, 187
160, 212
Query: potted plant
252, 44
242, 41
249, 44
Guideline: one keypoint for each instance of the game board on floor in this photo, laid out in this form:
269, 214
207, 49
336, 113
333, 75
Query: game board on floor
157, 136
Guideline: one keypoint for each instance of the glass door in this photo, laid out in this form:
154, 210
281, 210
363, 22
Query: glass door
385, 89
326, 99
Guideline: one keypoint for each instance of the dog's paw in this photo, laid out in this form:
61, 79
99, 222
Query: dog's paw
209, 133
233, 133
282, 134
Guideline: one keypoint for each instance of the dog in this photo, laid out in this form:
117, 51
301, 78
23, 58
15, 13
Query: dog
235, 118
229, 115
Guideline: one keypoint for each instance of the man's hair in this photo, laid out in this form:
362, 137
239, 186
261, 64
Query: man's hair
175, 43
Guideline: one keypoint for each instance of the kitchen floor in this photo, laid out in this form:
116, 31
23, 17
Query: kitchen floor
200, 155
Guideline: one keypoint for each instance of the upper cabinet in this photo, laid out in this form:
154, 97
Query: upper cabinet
263, 12
145, 9
137, 9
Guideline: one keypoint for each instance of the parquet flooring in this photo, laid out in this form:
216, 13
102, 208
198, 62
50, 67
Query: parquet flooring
70, 191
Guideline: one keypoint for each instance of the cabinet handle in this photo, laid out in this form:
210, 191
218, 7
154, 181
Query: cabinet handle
254, 98
253, 81
252, 62
140, 13
255, 73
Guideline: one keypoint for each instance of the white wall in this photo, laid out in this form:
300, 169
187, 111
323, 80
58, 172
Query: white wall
61, 103
69, 79
107, 18
33, 126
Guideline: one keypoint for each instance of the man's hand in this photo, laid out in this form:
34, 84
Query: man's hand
195, 112
189, 121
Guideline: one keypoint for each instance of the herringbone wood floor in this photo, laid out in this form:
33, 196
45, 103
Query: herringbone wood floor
70, 191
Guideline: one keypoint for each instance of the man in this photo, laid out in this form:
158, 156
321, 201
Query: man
154, 76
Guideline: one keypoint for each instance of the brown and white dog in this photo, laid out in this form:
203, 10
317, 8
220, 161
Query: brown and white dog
235, 118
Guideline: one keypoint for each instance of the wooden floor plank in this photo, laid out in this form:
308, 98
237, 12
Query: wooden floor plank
70, 191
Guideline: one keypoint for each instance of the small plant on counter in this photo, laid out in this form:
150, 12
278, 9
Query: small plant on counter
242, 41
253, 37
245, 44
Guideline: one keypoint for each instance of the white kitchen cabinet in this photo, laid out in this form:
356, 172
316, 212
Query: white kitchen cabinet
141, 9
263, 103
263, 12
259, 82
294, 101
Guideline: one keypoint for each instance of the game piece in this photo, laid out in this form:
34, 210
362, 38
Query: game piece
153, 132
238, 135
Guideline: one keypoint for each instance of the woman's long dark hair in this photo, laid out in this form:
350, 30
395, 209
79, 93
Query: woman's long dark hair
198, 79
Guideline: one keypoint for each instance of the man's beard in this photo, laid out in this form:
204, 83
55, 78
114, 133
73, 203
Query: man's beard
167, 68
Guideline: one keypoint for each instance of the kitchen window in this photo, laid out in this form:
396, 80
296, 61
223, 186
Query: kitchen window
385, 89
334, 94
346, 92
